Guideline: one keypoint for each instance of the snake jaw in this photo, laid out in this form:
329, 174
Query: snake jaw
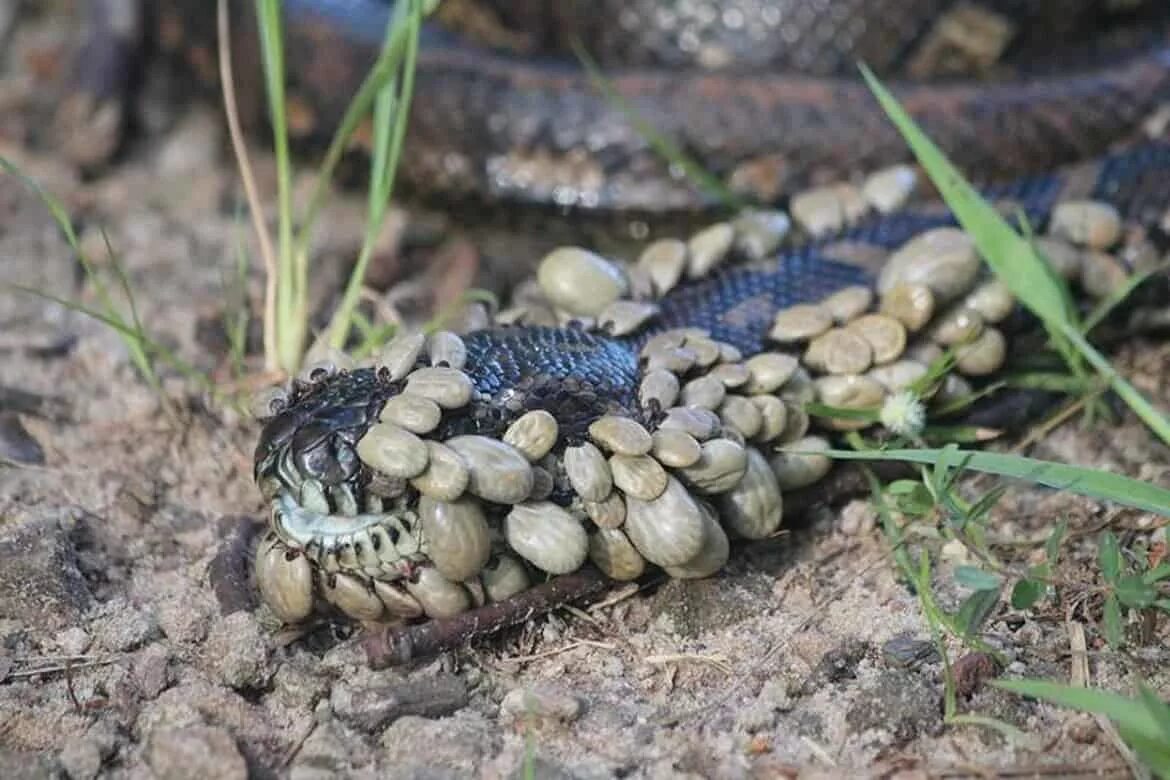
379, 541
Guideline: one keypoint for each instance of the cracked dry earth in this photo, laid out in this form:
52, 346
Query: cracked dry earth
119, 657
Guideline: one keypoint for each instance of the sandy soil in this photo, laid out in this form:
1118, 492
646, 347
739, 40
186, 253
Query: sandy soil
806, 657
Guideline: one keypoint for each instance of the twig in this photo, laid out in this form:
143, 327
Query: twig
1037, 770
558, 650
622, 594
295, 747
65, 667
396, 645
255, 208
819, 751
69, 688
718, 661
399, 644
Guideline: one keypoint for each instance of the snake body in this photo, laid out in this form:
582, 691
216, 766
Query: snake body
763, 95
469, 555
444, 481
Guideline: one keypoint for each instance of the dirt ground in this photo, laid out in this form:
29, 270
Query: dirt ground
807, 657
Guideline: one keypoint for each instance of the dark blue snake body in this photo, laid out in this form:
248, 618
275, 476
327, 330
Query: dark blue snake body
311, 436
579, 375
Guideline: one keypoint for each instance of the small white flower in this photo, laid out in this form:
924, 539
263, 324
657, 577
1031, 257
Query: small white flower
904, 414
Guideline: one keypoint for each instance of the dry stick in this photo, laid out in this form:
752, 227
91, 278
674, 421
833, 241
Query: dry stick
1037, 770
65, 667
399, 644
395, 645
228, 86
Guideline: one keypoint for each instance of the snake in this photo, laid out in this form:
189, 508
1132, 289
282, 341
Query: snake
649, 413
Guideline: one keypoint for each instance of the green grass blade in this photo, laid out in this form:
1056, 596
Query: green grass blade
1158, 710
128, 333
391, 112
1112, 705
383, 70
290, 316
55, 207
1013, 259
1155, 753
1083, 481
1151, 416
1114, 299
1009, 255
134, 337
1005, 729
1109, 556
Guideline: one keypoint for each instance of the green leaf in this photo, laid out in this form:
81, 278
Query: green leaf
1154, 752
1111, 622
1114, 706
1109, 556
1082, 481
1158, 573
1158, 709
841, 413
1026, 593
912, 498
977, 579
1059, 383
975, 610
981, 508
902, 487
1134, 592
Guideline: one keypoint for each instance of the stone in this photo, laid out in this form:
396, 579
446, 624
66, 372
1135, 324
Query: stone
122, 626
543, 702
237, 652
195, 753
40, 583
371, 708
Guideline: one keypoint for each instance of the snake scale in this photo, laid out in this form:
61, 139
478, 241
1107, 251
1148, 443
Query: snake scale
628, 414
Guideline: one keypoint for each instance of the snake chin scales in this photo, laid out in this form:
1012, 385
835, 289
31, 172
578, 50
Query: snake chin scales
646, 412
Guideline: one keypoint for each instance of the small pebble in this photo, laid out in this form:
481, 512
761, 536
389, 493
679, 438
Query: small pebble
371, 708
1102, 274
72, 641
124, 628
540, 702
237, 651
580, 282
858, 517
195, 752
17, 445
906, 652
800, 322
